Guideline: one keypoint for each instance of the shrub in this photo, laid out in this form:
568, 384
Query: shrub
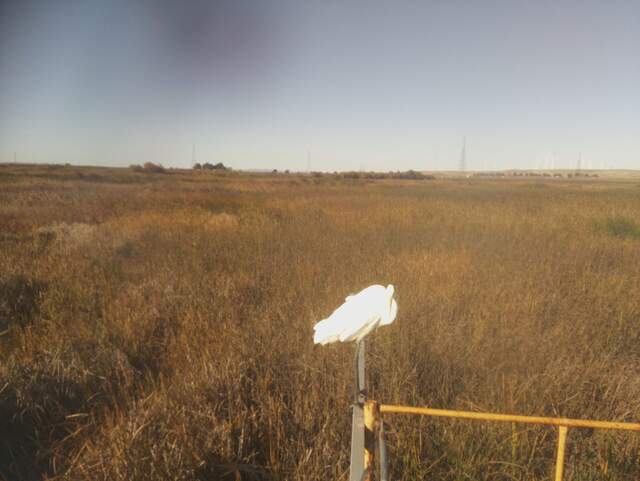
153, 168
620, 226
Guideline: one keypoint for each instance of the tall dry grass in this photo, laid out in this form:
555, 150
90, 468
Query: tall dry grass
159, 327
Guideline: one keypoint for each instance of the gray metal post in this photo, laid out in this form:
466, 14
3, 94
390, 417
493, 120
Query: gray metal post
361, 373
357, 425
382, 449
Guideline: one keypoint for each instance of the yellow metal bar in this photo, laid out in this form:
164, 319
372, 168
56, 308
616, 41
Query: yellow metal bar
562, 441
573, 423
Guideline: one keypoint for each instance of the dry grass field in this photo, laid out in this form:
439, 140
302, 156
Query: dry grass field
159, 326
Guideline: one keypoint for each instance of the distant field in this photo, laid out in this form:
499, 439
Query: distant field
159, 326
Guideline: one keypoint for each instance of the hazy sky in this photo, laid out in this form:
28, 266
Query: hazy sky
377, 85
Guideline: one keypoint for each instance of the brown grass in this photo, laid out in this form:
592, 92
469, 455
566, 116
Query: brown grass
161, 326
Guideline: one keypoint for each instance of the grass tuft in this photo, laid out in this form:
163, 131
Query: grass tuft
620, 226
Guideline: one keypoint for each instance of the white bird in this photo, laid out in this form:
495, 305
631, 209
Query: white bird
358, 316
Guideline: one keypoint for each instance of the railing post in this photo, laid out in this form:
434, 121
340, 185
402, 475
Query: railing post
371, 416
562, 441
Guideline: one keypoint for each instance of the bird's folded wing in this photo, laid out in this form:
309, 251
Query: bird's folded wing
328, 330
325, 332
353, 330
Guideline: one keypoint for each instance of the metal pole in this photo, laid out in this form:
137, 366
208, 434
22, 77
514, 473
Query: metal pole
358, 372
357, 467
382, 447
362, 393
562, 441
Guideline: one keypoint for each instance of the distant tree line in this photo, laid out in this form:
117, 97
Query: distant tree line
407, 174
208, 166
568, 175
155, 168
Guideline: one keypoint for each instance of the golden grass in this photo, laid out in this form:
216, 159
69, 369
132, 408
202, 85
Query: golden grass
161, 327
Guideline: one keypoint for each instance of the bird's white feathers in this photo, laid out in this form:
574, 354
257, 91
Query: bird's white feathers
358, 316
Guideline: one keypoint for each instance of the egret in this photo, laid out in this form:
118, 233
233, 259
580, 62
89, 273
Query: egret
360, 314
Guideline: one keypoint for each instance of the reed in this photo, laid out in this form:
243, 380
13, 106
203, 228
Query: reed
160, 326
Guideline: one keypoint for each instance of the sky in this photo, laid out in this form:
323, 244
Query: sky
327, 85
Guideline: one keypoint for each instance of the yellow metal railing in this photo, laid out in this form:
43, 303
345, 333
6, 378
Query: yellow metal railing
374, 411
513, 418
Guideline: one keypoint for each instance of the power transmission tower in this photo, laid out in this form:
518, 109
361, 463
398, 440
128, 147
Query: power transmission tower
308, 161
463, 155
579, 166
193, 154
